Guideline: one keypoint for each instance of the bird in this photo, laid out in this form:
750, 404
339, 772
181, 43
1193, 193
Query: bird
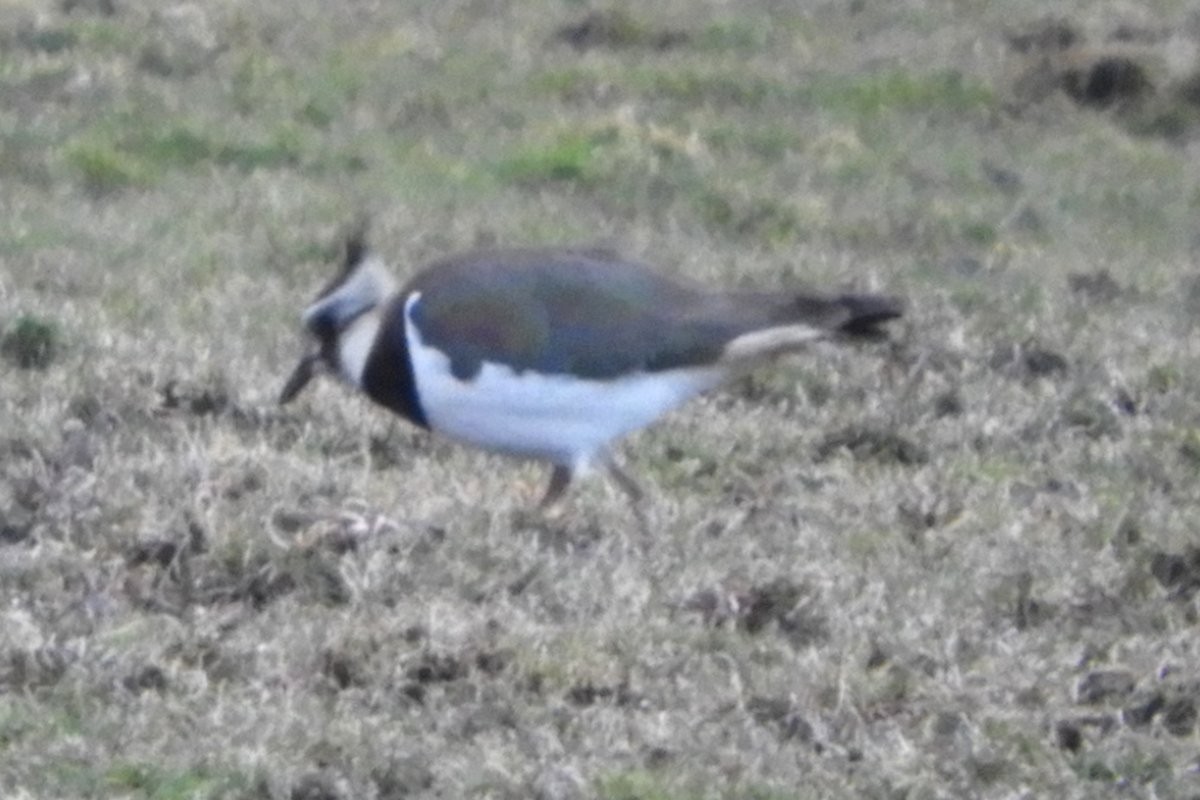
553, 353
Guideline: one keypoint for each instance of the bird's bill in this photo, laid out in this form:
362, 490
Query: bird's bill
304, 372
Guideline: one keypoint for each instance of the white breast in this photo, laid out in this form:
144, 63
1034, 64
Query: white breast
558, 418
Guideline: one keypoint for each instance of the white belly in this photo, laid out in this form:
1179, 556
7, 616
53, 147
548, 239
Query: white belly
562, 419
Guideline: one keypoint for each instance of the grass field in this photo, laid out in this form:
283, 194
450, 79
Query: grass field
960, 564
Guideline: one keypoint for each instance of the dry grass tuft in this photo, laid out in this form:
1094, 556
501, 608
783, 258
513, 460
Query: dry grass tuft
962, 564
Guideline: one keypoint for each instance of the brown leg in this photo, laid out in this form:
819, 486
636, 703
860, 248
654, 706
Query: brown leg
628, 485
560, 478
634, 492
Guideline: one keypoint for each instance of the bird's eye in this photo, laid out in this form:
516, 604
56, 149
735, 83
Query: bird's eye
322, 324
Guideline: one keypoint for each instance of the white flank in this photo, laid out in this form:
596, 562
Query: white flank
559, 418
354, 346
771, 341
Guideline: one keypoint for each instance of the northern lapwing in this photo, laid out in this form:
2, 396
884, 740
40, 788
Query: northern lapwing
552, 353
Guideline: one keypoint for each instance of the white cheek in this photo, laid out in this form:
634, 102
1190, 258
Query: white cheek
354, 347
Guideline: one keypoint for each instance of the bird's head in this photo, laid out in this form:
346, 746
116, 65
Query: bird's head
355, 295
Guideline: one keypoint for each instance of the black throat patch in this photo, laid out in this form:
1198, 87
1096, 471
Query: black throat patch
388, 375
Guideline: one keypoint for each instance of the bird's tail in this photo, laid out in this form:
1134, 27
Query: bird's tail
850, 314
863, 314
790, 323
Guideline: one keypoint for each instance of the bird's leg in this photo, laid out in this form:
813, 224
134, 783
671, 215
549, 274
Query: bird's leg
633, 491
628, 485
560, 479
